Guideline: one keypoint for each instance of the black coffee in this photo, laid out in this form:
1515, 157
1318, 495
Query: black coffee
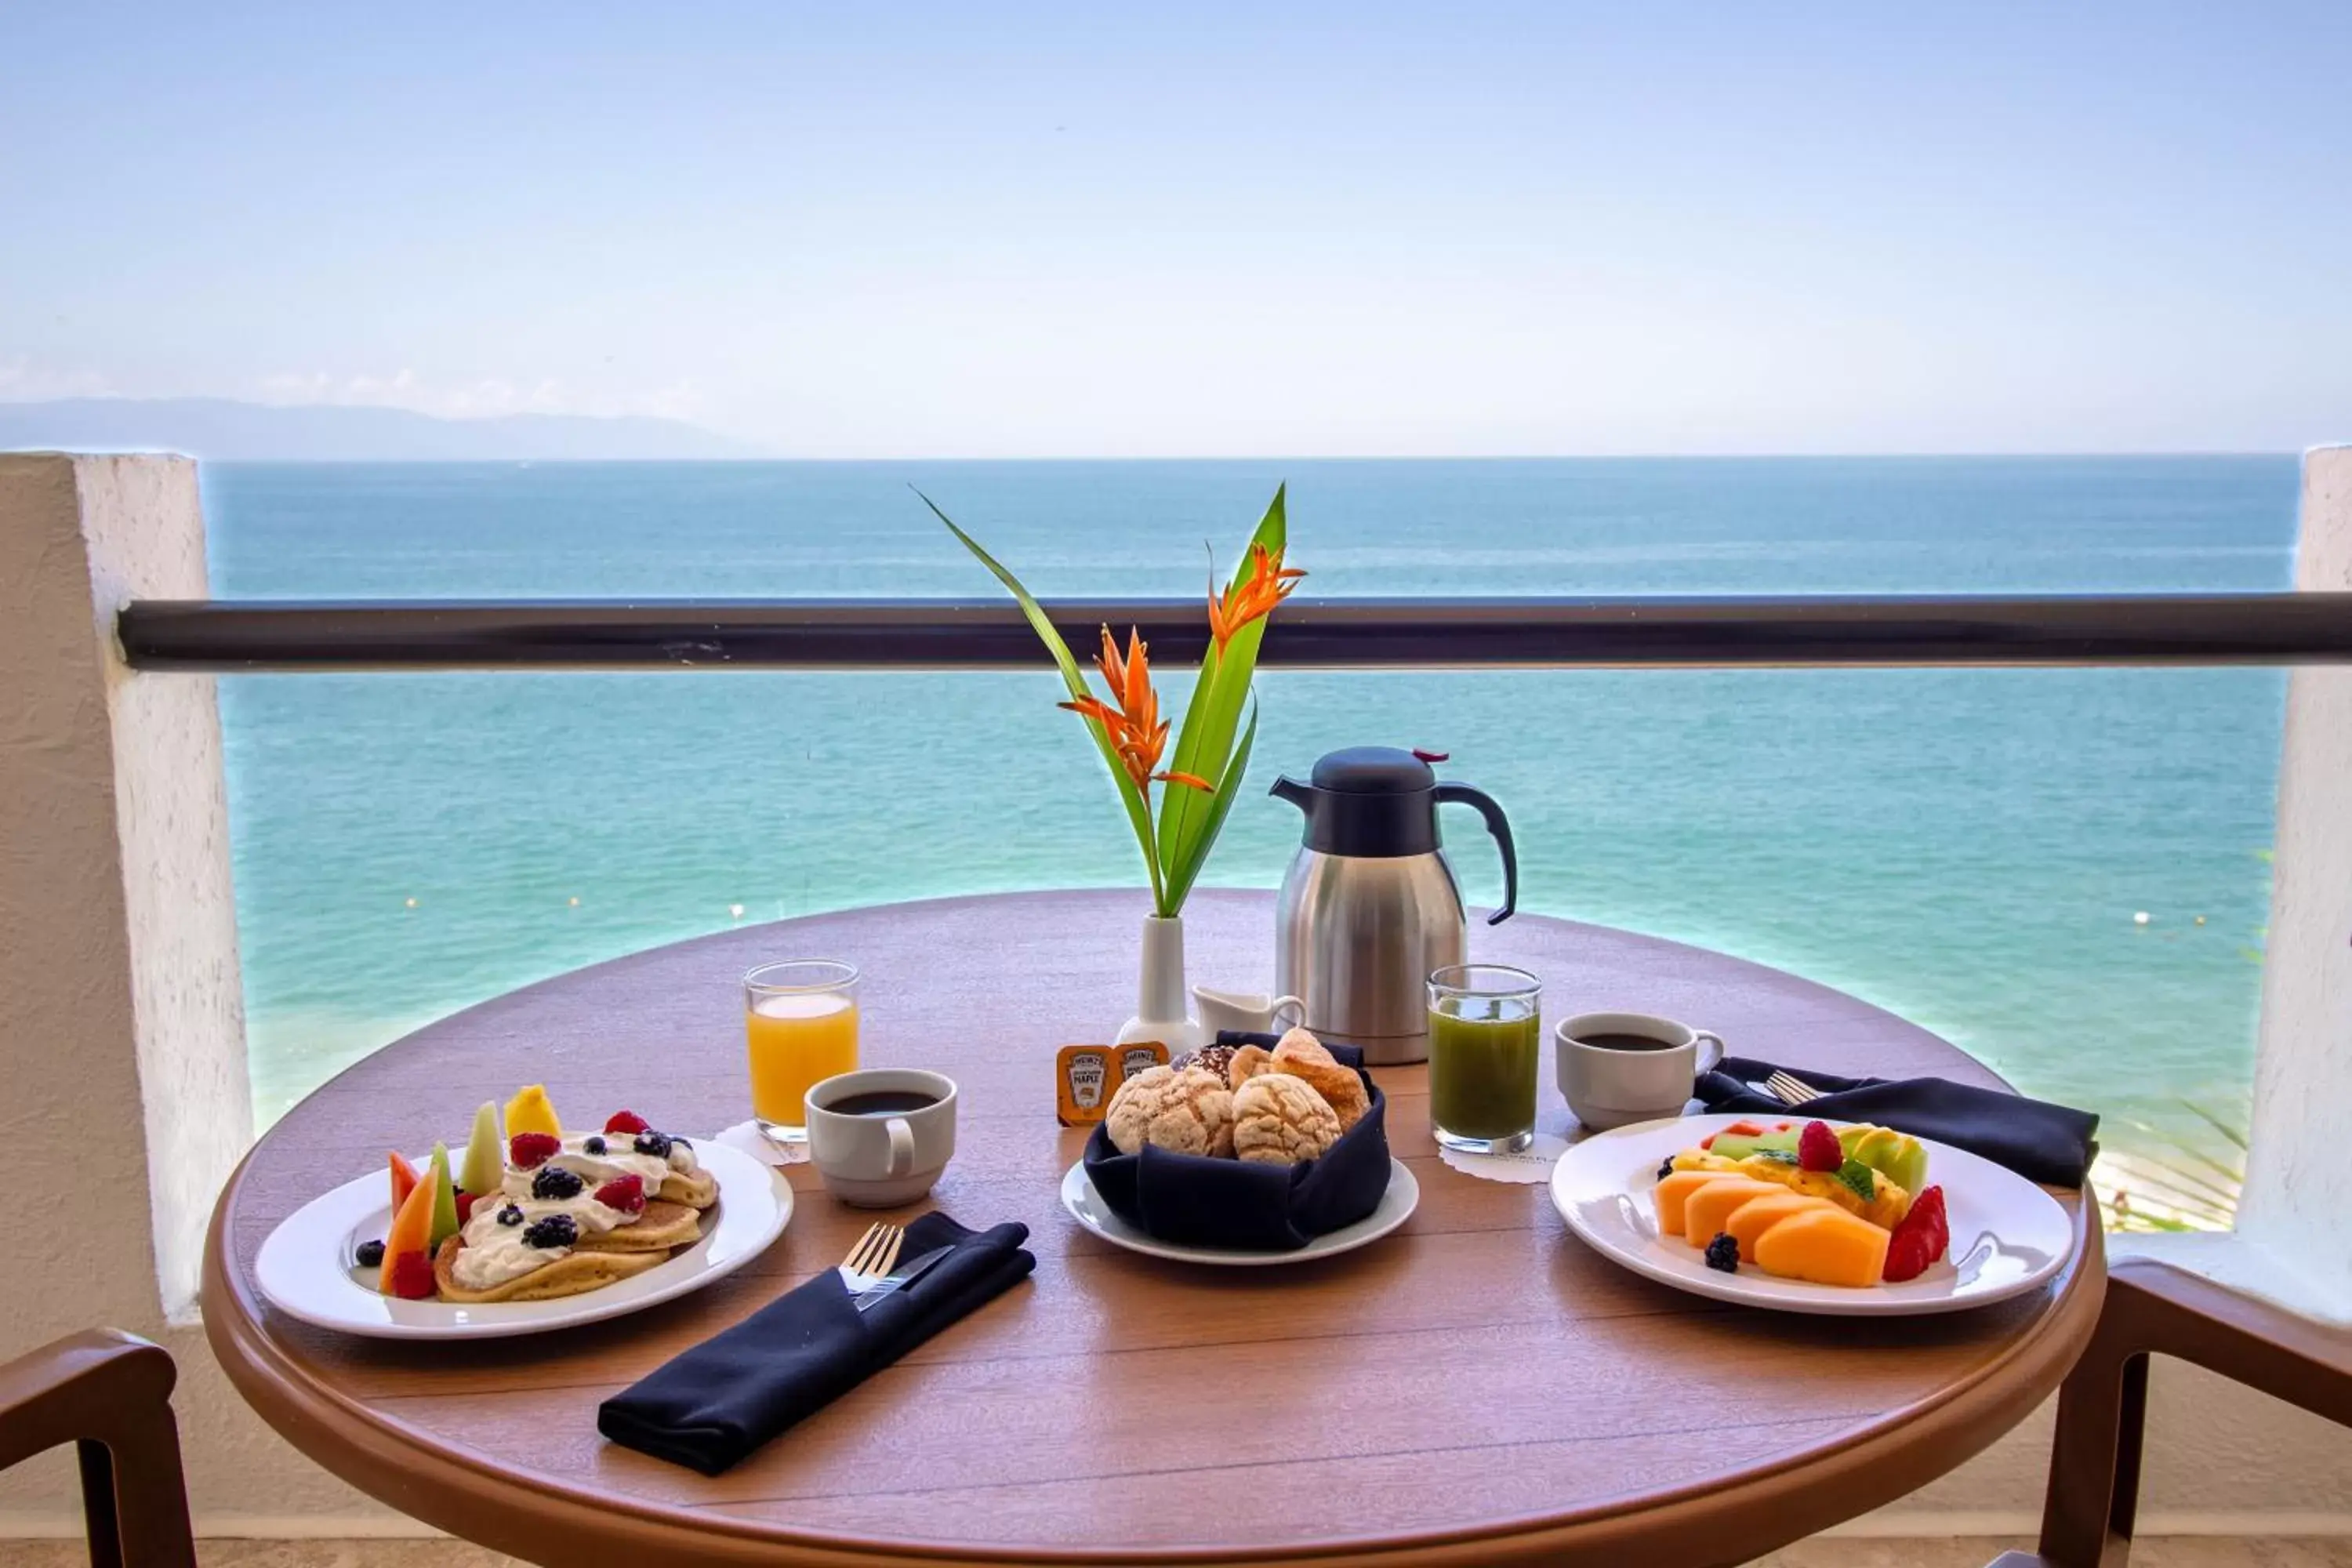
881, 1103
1625, 1043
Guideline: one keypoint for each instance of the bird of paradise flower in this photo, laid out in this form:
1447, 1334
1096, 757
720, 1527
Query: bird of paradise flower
1212, 745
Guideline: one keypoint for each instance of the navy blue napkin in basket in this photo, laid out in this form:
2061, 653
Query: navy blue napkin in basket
1195, 1201
707, 1408
2043, 1142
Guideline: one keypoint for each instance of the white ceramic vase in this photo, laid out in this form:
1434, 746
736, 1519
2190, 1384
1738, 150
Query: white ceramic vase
1160, 994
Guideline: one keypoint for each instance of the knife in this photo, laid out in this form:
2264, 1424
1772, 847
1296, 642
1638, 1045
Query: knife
902, 1276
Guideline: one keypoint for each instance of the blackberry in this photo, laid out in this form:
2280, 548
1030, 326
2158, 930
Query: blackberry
1723, 1253
511, 1216
554, 1230
654, 1143
593, 1146
370, 1254
1665, 1167
555, 1181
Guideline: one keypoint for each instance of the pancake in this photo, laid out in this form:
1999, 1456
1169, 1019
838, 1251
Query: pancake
695, 1189
663, 1226
571, 1275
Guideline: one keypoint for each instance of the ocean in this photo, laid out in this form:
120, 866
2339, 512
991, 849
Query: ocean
1967, 847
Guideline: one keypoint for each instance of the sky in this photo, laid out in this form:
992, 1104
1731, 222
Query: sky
1039, 230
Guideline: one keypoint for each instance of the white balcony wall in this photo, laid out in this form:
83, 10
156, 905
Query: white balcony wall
122, 1049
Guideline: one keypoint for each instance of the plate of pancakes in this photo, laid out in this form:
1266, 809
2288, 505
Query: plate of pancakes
699, 1227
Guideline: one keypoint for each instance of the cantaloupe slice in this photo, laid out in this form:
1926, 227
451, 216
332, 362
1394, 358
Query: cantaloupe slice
1754, 1217
1826, 1246
1708, 1208
1674, 1190
412, 1228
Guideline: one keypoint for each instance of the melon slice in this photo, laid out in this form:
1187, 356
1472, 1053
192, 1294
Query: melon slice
410, 1233
1754, 1217
403, 1180
1827, 1246
1674, 1191
1707, 1209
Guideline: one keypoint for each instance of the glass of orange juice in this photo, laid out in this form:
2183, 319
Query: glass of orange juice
801, 1024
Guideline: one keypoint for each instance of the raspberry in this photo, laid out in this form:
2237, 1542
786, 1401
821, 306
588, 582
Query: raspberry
466, 1201
626, 1193
411, 1275
1920, 1239
1723, 1253
525, 1150
1818, 1148
627, 1122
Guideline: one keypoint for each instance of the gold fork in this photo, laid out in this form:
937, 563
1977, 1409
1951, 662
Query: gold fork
869, 1262
1790, 1089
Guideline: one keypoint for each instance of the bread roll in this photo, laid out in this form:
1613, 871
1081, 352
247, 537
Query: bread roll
1279, 1119
1301, 1055
1188, 1112
1247, 1063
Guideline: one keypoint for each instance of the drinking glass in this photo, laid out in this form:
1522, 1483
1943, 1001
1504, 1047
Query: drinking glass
800, 1023
1485, 1033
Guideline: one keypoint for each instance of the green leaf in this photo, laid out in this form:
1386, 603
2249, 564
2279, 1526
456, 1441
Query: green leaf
1205, 739
1138, 811
1184, 872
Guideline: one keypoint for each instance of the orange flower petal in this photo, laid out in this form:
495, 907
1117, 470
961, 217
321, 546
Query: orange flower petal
1195, 779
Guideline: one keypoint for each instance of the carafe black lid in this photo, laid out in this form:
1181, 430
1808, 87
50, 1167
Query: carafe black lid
1373, 770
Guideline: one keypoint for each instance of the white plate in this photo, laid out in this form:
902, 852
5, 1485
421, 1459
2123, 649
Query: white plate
304, 1267
1086, 1206
2008, 1235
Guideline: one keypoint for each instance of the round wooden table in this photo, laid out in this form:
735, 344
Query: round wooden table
1478, 1388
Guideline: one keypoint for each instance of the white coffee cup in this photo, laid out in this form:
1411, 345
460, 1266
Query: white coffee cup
1246, 1011
880, 1158
1615, 1085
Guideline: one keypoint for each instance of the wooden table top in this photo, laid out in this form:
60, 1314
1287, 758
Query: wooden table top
1478, 1388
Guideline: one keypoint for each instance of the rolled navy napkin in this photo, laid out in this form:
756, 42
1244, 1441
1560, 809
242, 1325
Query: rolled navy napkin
2052, 1144
1239, 1204
710, 1407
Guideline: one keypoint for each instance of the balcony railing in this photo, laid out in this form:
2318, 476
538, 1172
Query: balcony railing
1522, 633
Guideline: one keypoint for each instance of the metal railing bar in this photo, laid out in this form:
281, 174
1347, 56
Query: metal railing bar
1443, 634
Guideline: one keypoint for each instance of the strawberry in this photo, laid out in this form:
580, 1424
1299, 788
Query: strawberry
1818, 1148
411, 1275
628, 1121
626, 1193
1921, 1238
528, 1149
466, 1201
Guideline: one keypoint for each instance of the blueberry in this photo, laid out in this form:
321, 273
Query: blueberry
654, 1143
1665, 1167
511, 1216
593, 1146
555, 1181
370, 1254
1723, 1253
554, 1230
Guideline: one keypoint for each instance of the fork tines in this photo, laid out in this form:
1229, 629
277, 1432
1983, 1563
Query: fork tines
875, 1251
1789, 1089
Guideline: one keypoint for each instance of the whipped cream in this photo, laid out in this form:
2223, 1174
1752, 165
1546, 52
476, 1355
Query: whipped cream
493, 1254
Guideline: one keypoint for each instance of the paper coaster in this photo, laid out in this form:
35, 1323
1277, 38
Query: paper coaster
747, 1137
1530, 1165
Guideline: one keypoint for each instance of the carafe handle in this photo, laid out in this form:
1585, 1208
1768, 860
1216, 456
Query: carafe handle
1500, 826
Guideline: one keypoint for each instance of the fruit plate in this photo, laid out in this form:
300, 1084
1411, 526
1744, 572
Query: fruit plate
1396, 1206
305, 1267
2008, 1235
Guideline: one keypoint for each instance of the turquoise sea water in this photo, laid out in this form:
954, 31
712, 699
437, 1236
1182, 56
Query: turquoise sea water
1968, 848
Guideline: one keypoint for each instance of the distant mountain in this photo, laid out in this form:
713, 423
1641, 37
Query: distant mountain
226, 431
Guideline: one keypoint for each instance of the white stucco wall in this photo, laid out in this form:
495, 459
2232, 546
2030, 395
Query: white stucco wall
122, 1034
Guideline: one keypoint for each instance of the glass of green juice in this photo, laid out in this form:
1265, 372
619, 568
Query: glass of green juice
1484, 1030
